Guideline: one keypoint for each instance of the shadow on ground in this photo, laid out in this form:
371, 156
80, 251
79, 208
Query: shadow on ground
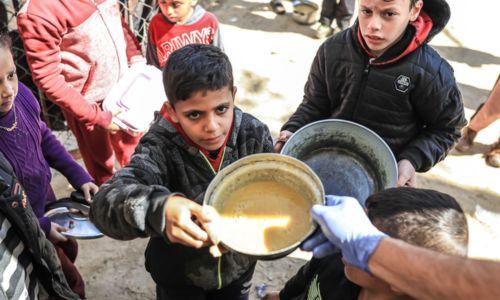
471, 57
472, 96
245, 15
468, 197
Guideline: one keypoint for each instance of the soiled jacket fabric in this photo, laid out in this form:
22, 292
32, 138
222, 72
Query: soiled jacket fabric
408, 96
132, 203
16, 208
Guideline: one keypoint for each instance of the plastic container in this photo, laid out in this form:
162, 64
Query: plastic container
135, 98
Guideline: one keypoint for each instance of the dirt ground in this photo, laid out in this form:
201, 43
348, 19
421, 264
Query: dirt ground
271, 56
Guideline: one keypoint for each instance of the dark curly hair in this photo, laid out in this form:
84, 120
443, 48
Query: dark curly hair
196, 68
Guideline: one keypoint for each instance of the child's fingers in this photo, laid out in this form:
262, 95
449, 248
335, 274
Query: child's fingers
180, 236
190, 227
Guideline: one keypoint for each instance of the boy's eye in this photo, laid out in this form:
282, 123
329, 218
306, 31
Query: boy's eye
193, 115
390, 14
221, 109
365, 11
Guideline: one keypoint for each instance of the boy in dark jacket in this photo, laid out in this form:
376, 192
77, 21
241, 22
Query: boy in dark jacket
420, 217
382, 73
158, 194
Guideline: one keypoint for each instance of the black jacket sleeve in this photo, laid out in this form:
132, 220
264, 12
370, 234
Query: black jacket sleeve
440, 107
316, 103
132, 203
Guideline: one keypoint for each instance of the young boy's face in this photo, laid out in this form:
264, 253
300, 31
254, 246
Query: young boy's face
8, 80
206, 117
383, 22
177, 11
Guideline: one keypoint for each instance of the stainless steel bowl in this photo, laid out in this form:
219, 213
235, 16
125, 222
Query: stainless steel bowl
350, 159
285, 170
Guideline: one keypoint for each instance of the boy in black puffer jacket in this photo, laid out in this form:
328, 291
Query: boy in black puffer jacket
382, 73
158, 194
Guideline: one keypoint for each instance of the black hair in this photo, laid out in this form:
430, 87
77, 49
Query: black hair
421, 217
196, 68
5, 41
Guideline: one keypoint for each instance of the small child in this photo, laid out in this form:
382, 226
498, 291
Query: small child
32, 149
420, 217
381, 73
177, 24
159, 193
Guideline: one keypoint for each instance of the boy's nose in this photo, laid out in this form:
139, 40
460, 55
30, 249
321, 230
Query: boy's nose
375, 24
211, 124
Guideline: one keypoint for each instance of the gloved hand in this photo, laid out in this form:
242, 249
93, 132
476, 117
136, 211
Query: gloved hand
345, 225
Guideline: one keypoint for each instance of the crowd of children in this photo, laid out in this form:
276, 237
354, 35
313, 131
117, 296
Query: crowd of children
380, 73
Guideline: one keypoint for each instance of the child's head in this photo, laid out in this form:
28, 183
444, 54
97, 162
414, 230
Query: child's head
8, 76
177, 11
420, 217
198, 81
383, 22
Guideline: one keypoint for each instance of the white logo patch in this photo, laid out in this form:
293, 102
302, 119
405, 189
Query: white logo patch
402, 83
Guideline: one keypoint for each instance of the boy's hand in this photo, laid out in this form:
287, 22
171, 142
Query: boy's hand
406, 174
55, 235
284, 136
180, 216
212, 227
88, 190
272, 296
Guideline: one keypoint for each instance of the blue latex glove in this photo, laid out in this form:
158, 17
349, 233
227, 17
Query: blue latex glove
345, 225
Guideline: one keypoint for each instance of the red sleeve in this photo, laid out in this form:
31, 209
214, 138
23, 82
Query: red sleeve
133, 46
41, 41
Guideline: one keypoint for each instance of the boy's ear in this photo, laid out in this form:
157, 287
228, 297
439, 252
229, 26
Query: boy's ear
171, 112
415, 10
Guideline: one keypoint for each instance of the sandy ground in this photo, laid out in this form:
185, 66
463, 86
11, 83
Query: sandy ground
271, 56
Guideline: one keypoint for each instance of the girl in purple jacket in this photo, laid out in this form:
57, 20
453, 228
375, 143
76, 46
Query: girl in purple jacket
32, 149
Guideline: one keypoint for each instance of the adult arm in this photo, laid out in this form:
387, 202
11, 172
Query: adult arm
418, 272
316, 104
426, 274
441, 111
41, 40
132, 203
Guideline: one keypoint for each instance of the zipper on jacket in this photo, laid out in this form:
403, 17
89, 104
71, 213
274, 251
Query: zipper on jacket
219, 262
364, 80
208, 161
219, 273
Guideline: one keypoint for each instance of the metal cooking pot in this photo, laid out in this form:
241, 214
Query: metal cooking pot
285, 170
350, 159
